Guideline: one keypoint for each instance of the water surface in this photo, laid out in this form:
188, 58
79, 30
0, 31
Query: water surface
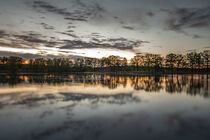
101, 107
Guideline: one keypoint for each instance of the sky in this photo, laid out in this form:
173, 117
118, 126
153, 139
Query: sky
99, 28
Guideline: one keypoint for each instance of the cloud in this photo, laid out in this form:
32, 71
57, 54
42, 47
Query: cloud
128, 27
150, 14
71, 26
42, 54
23, 55
113, 43
70, 31
75, 19
78, 10
30, 38
182, 18
92, 8
2, 34
37, 39
26, 40
47, 27
50, 8
53, 9
71, 34
197, 36
11, 44
96, 36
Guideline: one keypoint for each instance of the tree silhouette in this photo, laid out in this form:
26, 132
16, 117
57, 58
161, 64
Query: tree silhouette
171, 59
141, 63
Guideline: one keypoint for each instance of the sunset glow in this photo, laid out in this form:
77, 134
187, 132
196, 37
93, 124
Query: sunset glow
90, 28
104, 69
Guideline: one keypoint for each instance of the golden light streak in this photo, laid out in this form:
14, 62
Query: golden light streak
93, 52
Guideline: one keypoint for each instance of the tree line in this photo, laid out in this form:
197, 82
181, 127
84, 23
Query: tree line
194, 61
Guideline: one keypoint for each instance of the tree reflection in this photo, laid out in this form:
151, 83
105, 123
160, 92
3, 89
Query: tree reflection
191, 84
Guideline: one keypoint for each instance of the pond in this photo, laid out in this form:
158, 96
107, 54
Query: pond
104, 107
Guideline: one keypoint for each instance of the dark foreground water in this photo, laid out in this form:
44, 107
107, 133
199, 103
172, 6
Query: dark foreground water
104, 107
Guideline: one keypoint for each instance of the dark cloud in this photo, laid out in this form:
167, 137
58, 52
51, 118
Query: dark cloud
23, 39
96, 40
70, 31
80, 11
197, 36
114, 43
11, 40
67, 52
96, 35
53, 9
71, 34
128, 27
71, 26
92, 9
76, 19
150, 14
36, 39
47, 27
11, 44
182, 18
2, 34
30, 38
50, 8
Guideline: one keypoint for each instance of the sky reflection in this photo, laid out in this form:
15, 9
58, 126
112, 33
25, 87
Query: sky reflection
105, 107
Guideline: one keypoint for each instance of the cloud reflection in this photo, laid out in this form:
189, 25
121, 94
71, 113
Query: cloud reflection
94, 106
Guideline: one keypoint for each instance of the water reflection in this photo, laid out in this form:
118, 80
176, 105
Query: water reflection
96, 106
191, 84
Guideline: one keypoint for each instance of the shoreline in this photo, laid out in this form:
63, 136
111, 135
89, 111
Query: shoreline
108, 73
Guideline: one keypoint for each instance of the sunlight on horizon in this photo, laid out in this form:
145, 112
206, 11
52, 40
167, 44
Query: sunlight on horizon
93, 52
